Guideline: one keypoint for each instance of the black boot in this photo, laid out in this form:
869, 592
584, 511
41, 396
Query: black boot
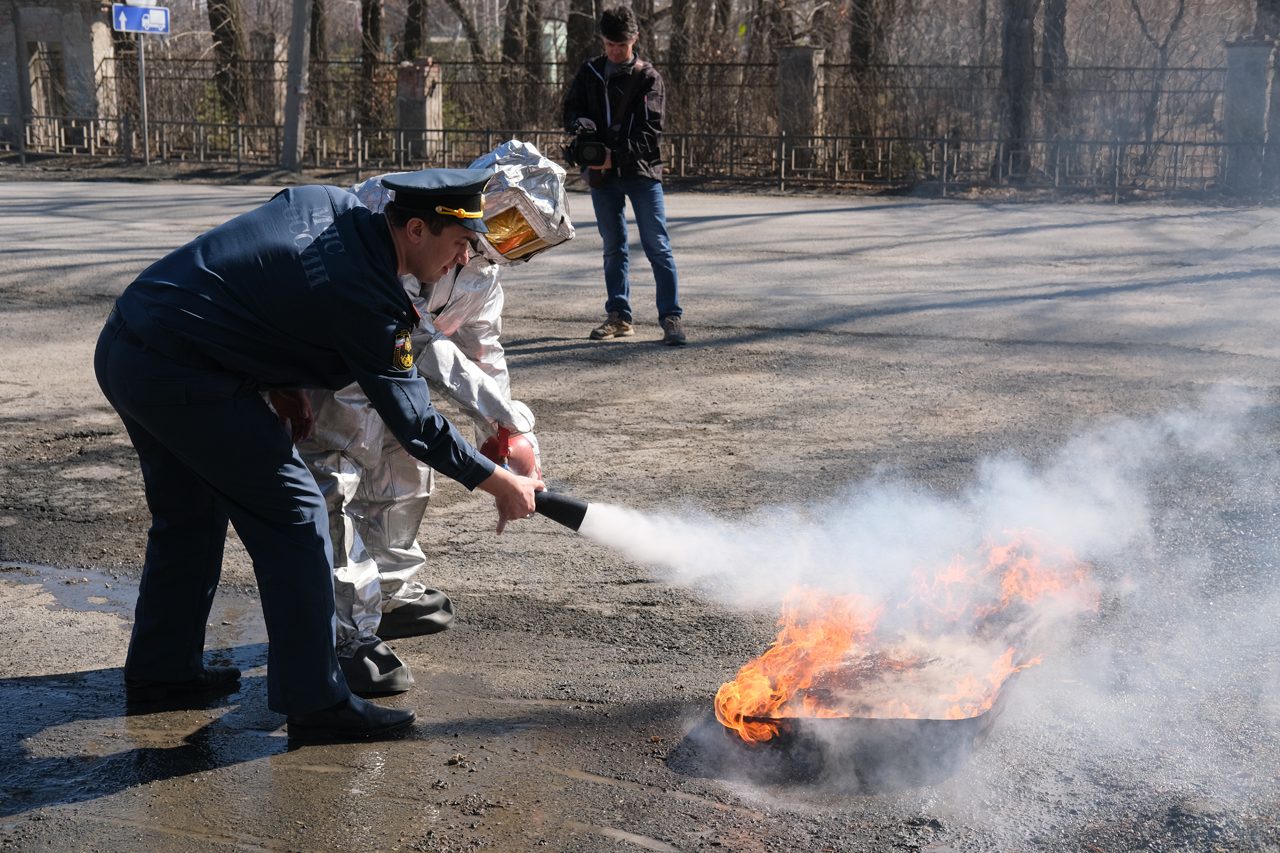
351, 719
429, 614
375, 670
212, 681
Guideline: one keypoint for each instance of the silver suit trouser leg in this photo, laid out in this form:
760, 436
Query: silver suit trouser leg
388, 506
356, 587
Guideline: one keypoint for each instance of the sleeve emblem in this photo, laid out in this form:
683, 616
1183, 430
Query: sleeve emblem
402, 357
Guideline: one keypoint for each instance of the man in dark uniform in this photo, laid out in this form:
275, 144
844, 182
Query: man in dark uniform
303, 292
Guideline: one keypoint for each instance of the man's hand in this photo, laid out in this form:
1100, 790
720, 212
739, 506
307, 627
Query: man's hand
294, 411
585, 124
512, 495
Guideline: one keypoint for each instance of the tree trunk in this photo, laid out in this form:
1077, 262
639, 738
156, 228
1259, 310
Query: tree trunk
869, 22
533, 39
370, 54
125, 47
1017, 83
1053, 70
723, 11
469, 27
513, 71
1162, 47
414, 44
1267, 19
868, 30
678, 49
580, 35
1053, 52
644, 15
226, 23
318, 73
984, 23
513, 36
766, 31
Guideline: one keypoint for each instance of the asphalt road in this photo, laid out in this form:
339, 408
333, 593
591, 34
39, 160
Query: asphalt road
854, 362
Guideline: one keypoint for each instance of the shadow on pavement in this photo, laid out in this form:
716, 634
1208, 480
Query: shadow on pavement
72, 737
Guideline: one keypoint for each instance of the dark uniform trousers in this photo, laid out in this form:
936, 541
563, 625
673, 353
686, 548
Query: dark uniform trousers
212, 450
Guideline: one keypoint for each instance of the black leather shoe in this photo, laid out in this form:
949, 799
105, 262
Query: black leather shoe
429, 614
351, 719
212, 681
375, 670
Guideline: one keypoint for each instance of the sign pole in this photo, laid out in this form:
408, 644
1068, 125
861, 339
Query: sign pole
142, 98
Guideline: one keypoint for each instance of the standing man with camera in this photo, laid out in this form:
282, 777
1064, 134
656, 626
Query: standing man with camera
614, 108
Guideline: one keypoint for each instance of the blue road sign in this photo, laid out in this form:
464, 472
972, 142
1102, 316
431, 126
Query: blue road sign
139, 19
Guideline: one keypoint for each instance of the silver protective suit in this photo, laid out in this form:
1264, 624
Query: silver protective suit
377, 494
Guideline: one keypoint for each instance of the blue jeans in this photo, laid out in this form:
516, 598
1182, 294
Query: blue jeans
651, 219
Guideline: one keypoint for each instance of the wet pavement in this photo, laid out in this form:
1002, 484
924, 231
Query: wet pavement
833, 341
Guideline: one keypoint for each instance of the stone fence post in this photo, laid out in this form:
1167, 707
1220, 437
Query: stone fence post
420, 107
1245, 113
800, 94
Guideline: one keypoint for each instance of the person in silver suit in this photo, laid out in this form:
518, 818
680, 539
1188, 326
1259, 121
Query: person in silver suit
376, 493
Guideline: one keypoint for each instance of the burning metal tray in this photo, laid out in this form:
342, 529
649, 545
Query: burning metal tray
862, 753
878, 753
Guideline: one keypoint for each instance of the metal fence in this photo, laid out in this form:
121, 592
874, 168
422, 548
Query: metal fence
1114, 129
1111, 167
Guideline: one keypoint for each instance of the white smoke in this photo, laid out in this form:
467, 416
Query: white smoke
1091, 497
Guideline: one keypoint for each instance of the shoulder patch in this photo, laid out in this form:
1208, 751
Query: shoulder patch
402, 357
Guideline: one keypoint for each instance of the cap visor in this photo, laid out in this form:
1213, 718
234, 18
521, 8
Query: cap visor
476, 225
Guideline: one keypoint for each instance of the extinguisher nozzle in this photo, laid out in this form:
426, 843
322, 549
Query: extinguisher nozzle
561, 508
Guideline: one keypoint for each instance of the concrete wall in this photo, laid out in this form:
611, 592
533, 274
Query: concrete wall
79, 28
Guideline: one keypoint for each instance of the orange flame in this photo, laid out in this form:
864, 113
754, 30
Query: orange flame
816, 632
827, 650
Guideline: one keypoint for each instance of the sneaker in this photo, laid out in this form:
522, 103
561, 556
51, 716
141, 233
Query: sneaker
673, 331
613, 327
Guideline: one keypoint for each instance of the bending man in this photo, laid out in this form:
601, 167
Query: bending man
303, 292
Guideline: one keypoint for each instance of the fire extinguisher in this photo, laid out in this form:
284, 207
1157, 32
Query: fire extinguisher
512, 451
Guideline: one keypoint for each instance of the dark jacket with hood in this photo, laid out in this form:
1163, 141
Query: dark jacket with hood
630, 126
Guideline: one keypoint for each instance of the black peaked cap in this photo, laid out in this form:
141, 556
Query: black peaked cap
456, 193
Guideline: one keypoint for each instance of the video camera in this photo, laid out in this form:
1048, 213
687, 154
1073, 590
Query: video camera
586, 149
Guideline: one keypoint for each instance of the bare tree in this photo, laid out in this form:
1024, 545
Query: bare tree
1161, 45
983, 23
226, 23
679, 46
370, 56
125, 47
318, 74
415, 30
1266, 22
1053, 67
645, 16
722, 11
868, 33
580, 34
468, 21
521, 71
1017, 81
766, 30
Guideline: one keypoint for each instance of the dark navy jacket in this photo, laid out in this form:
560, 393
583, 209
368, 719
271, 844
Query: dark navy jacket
300, 293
